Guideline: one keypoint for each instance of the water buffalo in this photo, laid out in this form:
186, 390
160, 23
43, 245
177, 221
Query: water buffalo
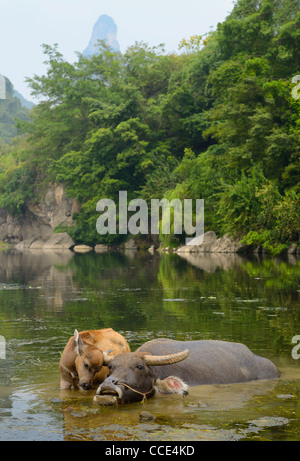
82, 362
170, 366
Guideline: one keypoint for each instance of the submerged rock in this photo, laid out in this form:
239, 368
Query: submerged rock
105, 400
269, 421
146, 416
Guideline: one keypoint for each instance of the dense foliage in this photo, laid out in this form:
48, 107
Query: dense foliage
217, 121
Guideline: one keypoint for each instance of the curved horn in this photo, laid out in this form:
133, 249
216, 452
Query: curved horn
166, 359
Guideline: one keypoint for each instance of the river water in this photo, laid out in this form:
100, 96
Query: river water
45, 296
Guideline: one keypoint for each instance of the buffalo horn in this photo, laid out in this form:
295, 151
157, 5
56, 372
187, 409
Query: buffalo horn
166, 359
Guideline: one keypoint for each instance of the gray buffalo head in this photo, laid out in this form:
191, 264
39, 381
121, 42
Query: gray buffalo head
132, 378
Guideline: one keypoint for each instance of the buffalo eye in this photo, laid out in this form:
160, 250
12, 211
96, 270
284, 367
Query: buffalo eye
86, 366
140, 367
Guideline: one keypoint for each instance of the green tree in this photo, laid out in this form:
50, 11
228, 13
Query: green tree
217, 121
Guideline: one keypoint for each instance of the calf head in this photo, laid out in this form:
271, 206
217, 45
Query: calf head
89, 361
133, 379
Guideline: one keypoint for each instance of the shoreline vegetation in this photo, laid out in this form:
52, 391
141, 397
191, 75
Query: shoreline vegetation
217, 121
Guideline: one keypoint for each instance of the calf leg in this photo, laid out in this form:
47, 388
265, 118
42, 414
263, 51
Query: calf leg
66, 381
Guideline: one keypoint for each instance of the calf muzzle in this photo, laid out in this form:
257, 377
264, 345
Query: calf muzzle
86, 386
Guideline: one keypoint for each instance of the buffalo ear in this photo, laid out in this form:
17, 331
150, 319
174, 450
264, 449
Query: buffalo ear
79, 344
171, 385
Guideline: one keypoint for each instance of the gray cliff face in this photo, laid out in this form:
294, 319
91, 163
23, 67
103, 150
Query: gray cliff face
104, 29
35, 227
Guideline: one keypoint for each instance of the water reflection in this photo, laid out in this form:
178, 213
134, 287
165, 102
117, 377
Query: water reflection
25, 265
211, 262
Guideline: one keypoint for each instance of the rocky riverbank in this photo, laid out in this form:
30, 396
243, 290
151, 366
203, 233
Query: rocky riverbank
35, 229
210, 243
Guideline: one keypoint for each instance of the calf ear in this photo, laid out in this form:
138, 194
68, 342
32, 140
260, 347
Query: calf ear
79, 344
171, 385
106, 357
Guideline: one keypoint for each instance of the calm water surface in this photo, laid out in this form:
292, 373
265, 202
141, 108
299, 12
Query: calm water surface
45, 296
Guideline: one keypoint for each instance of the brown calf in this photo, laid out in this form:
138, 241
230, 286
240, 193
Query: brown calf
81, 363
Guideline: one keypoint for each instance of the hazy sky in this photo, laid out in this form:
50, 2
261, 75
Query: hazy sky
26, 24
